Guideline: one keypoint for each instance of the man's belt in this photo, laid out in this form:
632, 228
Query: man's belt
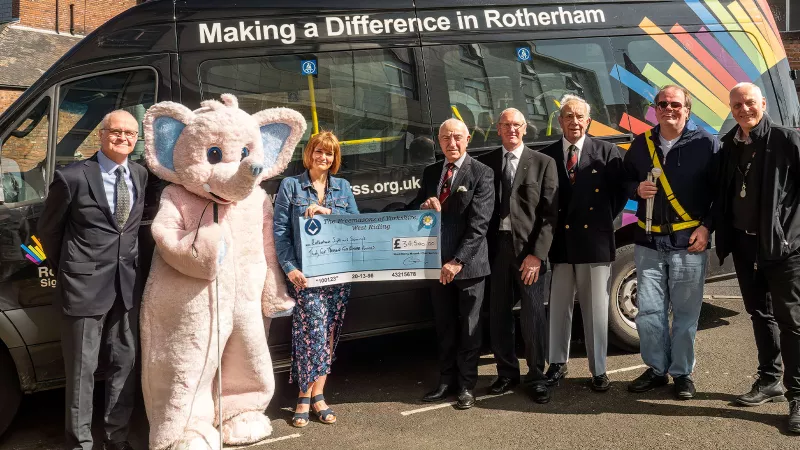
665, 184
671, 227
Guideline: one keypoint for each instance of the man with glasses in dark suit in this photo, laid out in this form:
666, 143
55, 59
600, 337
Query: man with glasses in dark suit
461, 188
520, 234
89, 229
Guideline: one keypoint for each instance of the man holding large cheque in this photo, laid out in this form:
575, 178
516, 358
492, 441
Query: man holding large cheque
462, 189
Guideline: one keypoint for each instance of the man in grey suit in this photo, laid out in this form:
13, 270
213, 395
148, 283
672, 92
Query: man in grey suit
526, 210
591, 196
461, 188
89, 230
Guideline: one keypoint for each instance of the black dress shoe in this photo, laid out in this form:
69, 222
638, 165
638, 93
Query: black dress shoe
794, 416
648, 381
600, 383
555, 372
540, 393
123, 445
438, 394
502, 384
465, 399
684, 387
762, 392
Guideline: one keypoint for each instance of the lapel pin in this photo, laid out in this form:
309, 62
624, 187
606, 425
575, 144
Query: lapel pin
594, 170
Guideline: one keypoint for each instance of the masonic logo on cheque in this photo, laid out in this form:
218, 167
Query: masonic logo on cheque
313, 227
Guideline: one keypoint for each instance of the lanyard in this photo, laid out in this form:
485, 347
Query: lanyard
743, 191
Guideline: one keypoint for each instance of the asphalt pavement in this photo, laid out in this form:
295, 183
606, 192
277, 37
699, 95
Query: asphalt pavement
376, 385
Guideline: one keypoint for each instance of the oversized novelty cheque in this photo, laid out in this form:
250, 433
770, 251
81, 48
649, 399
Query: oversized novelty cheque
371, 247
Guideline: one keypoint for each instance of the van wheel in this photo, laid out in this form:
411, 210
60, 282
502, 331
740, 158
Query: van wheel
623, 306
10, 392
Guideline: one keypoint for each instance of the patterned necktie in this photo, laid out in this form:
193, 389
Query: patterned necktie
122, 198
506, 182
572, 162
448, 180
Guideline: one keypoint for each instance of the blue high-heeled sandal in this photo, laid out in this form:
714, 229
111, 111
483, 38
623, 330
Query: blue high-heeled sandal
324, 415
296, 420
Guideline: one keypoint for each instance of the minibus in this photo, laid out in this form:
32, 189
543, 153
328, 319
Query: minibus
382, 76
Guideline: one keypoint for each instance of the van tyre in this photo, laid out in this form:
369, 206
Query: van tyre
10, 392
623, 306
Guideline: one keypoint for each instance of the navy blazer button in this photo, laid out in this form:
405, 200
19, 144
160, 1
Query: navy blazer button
567, 227
591, 208
597, 190
586, 226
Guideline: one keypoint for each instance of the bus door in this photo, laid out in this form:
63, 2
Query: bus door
59, 126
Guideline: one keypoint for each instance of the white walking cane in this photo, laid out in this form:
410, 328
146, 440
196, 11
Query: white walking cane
652, 176
219, 349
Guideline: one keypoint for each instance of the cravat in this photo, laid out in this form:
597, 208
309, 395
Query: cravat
572, 162
507, 180
122, 198
448, 180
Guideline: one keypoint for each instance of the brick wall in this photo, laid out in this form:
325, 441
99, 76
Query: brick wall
791, 42
87, 14
7, 97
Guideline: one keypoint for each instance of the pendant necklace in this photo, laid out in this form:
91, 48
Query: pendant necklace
743, 192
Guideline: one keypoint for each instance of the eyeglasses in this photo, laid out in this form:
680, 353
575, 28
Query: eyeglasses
115, 132
674, 105
511, 126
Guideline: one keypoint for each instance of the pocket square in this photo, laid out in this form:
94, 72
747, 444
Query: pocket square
594, 171
461, 189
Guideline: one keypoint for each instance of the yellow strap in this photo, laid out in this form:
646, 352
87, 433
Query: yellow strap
663, 179
675, 226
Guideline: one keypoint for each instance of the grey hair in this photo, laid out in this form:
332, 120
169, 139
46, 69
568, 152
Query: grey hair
512, 110
453, 119
569, 98
104, 122
746, 84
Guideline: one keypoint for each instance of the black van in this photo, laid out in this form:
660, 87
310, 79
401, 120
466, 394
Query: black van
382, 78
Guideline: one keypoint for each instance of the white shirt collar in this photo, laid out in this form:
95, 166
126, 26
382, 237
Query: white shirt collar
517, 151
457, 162
565, 144
109, 166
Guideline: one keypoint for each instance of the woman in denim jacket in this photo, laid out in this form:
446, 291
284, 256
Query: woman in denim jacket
318, 315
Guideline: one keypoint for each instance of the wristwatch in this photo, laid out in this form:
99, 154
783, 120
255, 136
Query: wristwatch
458, 261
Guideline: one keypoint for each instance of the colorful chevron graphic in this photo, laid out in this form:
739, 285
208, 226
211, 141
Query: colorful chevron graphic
738, 41
34, 252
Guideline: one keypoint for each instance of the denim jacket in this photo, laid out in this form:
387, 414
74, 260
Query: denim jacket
294, 197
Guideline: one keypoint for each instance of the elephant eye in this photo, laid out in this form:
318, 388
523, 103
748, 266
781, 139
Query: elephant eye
214, 155
245, 152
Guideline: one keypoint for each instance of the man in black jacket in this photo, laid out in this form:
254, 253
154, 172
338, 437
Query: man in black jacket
758, 222
590, 196
89, 229
520, 234
671, 260
461, 188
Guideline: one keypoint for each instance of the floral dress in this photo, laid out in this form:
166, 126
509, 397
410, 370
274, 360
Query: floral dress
316, 323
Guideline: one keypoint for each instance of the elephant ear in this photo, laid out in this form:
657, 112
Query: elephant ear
281, 130
163, 124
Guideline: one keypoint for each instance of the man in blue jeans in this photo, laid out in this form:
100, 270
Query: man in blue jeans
671, 257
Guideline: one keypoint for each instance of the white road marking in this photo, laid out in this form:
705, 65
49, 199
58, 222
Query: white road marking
269, 441
445, 405
625, 369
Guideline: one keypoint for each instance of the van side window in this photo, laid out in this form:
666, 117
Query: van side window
484, 79
83, 104
370, 99
703, 63
23, 156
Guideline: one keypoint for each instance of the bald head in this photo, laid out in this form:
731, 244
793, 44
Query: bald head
120, 114
747, 105
453, 139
